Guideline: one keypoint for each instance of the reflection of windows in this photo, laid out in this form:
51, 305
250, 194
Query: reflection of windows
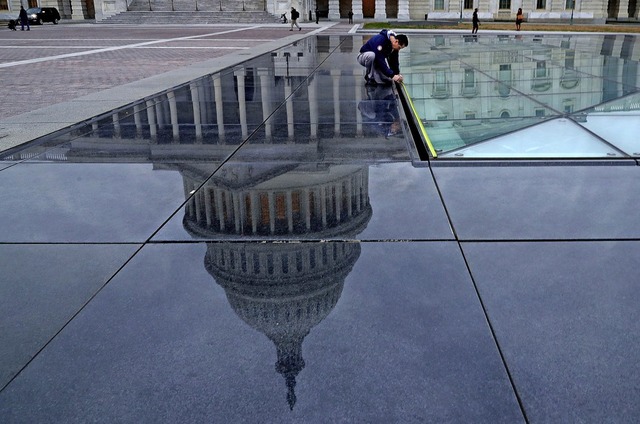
504, 80
438, 5
568, 106
505, 114
505, 4
441, 87
569, 59
439, 40
541, 69
469, 83
441, 117
469, 115
541, 80
541, 4
468, 4
540, 113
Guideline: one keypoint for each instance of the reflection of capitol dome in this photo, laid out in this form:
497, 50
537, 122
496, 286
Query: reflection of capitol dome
282, 290
245, 200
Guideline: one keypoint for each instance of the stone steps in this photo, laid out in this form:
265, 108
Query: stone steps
191, 17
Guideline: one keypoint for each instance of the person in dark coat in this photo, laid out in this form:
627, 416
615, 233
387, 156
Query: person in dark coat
294, 19
24, 19
379, 56
475, 21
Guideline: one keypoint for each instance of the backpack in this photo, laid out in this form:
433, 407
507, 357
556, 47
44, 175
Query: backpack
294, 14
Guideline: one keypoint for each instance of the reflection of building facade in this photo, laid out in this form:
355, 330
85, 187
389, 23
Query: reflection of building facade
471, 84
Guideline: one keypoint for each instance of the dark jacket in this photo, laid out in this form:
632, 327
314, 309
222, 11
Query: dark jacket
381, 46
23, 16
294, 14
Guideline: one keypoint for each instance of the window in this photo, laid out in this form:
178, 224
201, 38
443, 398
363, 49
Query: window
438, 5
541, 4
4, 5
540, 113
541, 69
570, 4
505, 4
469, 78
468, 4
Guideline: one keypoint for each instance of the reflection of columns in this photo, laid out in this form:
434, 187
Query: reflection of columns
173, 108
357, 9
265, 94
403, 10
116, 125
289, 106
357, 73
334, 9
381, 10
335, 77
313, 108
137, 109
151, 117
242, 102
217, 88
195, 101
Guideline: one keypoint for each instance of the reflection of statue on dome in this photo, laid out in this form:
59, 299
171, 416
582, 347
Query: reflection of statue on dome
282, 290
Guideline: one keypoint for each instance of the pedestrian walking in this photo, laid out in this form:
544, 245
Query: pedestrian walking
350, 16
317, 15
24, 19
294, 19
475, 21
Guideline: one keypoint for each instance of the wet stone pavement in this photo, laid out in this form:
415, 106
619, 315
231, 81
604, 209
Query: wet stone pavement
263, 243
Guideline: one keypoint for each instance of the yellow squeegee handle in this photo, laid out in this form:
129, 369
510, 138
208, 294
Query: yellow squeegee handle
417, 118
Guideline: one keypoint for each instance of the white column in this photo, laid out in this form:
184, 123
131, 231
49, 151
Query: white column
207, 205
116, 125
137, 109
289, 107
403, 10
357, 74
381, 10
334, 9
195, 102
217, 88
151, 117
623, 10
265, 94
242, 103
313, 108
173, 108
79, 9
357, 9
335, 77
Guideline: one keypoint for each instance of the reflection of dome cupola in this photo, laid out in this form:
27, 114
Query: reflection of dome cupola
282, 290
279, 201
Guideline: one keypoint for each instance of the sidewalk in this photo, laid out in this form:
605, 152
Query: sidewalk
57, 75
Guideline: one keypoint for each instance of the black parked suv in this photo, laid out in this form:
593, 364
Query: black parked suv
39, 15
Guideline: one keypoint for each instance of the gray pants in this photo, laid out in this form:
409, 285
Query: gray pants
367, 59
